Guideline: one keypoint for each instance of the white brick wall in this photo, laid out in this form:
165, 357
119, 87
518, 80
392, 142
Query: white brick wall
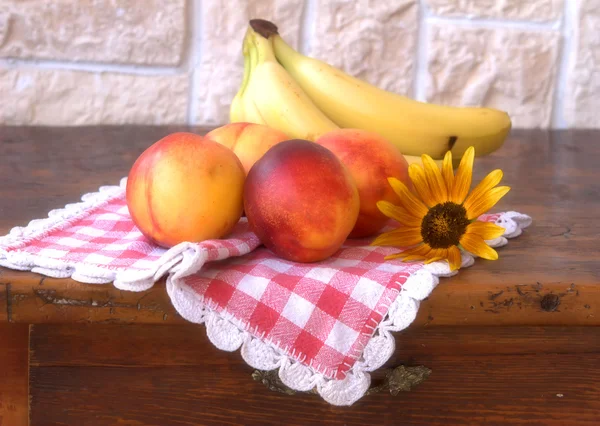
66, 62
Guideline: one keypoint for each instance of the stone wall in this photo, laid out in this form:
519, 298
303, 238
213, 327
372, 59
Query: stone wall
66, 62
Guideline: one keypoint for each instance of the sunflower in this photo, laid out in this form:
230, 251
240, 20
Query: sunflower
440, 216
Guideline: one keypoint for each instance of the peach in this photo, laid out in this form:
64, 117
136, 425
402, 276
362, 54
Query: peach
185, 187
249, 141
301, 201
371, 159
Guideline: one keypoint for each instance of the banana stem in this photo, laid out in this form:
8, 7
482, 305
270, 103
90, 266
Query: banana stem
263, 48
250, 59
284, 52
253, 56
247, 69
263, 27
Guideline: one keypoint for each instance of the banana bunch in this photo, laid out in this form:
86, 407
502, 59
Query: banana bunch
269, 95
305, 98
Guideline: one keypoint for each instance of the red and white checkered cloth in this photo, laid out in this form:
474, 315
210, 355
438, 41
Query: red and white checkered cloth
105, 236
321, 314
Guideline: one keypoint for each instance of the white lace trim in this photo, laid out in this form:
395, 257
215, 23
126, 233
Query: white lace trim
228, 334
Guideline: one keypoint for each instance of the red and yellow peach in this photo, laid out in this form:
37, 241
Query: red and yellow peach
371, 159
249, 141
185, 187
301, 201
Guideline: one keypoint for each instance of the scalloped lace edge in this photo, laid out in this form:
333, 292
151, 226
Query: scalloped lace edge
227, 334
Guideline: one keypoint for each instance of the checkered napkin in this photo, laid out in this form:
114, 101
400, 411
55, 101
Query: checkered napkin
103, 236
97, 242
320, 314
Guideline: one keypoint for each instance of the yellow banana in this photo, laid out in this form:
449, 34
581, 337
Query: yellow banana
260, 88
269, 95
242, 107
237, 111
414, 127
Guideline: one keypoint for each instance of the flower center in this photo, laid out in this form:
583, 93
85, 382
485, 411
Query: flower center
444, 224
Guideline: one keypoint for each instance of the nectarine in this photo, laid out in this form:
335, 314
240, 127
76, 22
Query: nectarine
371, 159
185, 188
301, 201
249, 141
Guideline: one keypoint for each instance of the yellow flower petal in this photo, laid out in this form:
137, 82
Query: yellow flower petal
421, 250
434, 180
462, 181
475, 244
411, 203
393, 256
454, 258
486, 230
487, 201
436, 254
419, 180
487, 183
401, 237
398, 213
448, 172
413, 258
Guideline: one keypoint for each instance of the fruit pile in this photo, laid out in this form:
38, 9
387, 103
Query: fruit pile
305, 98
306, 157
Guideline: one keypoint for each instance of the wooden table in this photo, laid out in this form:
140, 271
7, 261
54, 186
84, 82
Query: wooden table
512, 341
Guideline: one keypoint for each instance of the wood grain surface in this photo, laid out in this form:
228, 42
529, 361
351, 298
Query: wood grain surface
93, 344
4, 307
515, 341
14, 357
35, 299
133, 375
548, 275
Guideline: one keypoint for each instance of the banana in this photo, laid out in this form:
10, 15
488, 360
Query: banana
414, 127
237, 110
242, 107
269, 95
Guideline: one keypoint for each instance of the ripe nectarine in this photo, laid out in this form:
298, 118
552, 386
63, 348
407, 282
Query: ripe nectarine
185, 188
371, 159
301, 201
249, 141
